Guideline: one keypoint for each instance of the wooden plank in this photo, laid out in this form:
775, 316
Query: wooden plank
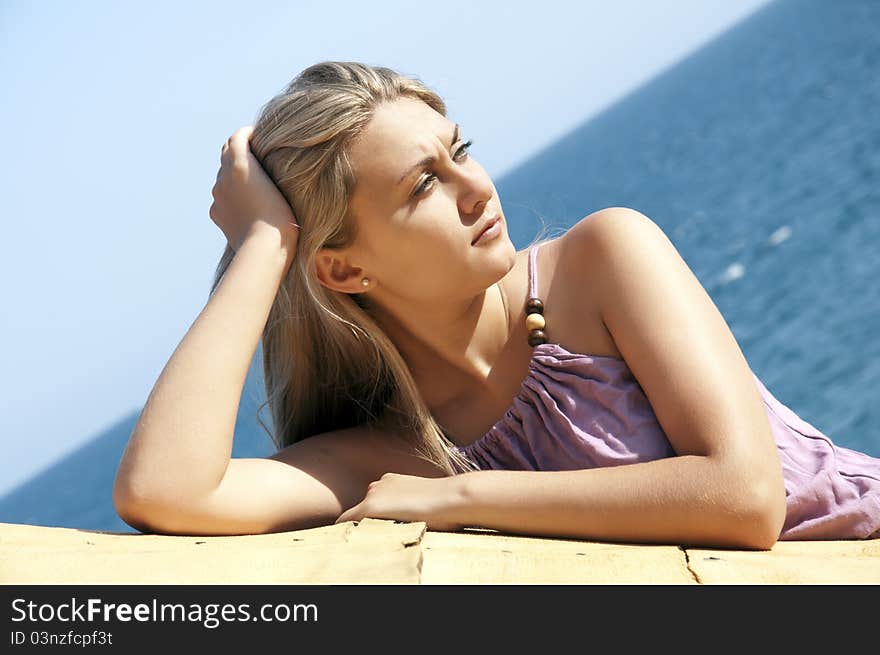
791, 562
486, 557
346, 553
375, 551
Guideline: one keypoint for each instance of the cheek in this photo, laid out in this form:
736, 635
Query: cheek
430, 266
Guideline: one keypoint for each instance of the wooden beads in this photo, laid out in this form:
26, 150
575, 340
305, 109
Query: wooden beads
534, 306
535, 322
537, 337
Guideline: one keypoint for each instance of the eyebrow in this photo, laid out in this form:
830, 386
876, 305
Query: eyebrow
430, 159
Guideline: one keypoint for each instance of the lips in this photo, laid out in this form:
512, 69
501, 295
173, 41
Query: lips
486, 226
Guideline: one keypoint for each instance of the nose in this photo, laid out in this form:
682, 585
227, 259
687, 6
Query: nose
476, 192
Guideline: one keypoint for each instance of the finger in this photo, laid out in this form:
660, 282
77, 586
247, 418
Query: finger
240, 136
351, 514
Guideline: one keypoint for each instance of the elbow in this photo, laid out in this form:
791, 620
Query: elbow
124, 501
130, 512
143, 504
752, 489
145, 512
765, 512
133, 509
129, 499
752, 503
149, 517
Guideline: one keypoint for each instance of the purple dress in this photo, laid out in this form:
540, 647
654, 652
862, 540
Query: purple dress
578, 411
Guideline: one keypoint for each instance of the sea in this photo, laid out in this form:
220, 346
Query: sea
759, 157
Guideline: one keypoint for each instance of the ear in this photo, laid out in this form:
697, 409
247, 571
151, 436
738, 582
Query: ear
335, 271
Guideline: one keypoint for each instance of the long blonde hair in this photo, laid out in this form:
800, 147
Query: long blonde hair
327, 364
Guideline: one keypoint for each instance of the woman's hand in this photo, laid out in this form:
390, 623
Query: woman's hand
409, 498
245, 197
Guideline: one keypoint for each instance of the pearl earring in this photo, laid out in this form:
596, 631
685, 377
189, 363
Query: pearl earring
365, 282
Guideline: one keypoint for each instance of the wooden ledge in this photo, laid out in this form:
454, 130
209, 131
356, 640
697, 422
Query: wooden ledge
376, 551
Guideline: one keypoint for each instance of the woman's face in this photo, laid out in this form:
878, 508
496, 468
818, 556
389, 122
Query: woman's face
416, 221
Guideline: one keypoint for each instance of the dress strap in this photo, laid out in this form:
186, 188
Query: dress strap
533, 273
535, 323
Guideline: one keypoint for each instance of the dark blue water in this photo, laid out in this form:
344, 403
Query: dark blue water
759, 156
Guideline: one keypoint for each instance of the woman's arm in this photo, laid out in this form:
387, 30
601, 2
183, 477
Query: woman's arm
725, 488
678, 500
181, 445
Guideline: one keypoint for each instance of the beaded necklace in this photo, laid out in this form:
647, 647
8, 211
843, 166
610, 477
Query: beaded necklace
535, 322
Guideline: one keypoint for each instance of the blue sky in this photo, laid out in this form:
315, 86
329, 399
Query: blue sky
113, 114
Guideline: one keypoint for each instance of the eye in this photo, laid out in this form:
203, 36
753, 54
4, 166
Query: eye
463, 148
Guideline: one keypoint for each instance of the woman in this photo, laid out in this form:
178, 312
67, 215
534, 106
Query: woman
419, 368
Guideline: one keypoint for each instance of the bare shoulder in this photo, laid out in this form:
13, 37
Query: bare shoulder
576, 268
623, 251
607, 228
600, 247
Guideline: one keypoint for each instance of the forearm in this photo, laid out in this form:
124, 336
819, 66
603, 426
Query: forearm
182, 442
677, 500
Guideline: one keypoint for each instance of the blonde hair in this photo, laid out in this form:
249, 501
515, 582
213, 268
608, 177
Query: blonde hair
327, 364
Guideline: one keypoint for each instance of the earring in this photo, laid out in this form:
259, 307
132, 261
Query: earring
365, 282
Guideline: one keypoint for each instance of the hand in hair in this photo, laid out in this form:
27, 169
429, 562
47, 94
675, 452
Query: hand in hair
246, 199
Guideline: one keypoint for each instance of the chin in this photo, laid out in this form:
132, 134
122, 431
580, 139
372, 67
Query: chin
500, 260
509, 251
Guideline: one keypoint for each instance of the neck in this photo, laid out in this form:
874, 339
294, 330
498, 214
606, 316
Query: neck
455, 342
